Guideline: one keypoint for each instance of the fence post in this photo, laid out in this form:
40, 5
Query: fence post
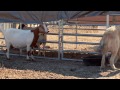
107, 19
62, 22
76, 35
60, 44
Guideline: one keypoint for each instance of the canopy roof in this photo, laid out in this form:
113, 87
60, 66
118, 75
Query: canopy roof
96, 20
46, 16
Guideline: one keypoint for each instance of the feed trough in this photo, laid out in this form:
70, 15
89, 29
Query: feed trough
94, 60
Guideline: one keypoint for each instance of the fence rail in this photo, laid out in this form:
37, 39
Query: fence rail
78, 51
89, 43
88, 35
61, 40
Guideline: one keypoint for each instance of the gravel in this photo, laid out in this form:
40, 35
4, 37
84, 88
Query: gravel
19, 68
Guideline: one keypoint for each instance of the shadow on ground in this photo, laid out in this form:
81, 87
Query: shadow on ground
66, 68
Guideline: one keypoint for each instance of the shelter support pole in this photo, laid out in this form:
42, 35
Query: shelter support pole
62, 39
107, 21
60, 44
76, 36
59, 40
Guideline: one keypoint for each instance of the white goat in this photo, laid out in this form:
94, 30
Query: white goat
41, 40
19, 38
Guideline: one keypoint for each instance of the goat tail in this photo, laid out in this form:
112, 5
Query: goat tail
102, 44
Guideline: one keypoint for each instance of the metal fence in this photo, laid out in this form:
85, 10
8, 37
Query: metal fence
61, 42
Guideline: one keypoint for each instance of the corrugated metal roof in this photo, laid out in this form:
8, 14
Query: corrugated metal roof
46, 16
96, 20
35, 16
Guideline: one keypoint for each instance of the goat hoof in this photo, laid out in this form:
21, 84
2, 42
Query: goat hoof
115, 68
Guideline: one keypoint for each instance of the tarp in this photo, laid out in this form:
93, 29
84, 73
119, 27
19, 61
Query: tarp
46, 16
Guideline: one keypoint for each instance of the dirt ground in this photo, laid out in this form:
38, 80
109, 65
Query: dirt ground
19, 68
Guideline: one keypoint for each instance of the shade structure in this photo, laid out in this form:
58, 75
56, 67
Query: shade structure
46, 16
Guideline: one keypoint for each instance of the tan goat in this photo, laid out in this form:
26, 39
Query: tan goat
110, 42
